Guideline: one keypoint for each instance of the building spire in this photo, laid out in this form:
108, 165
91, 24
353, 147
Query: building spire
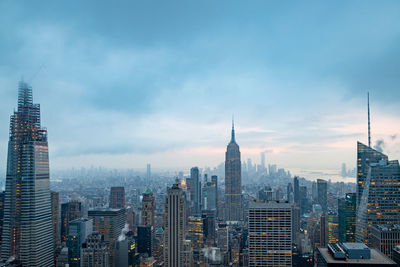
369, 125
233, 130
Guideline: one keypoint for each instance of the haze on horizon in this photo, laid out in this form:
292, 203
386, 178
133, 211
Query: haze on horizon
135, 82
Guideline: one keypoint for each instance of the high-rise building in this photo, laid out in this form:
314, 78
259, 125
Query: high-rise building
322, 187
385, 238
380, 192
148, 171
233, 181
347, 218
145, 240
148, 208
175, 224
196, 235
78, 230
270, 234
117, 197
55, 217
209, 196
289, 193
94, 251
70, 211
214, 179
196, 197
296, 190
208, 217
2, 194
27, 230
108, 222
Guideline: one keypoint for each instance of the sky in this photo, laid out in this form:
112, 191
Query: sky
125, 83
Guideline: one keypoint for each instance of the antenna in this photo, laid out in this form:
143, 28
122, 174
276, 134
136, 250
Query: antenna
369, 125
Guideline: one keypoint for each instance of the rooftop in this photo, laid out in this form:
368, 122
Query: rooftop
376, 258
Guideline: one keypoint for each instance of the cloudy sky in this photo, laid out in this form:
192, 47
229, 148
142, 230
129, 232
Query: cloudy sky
123, 84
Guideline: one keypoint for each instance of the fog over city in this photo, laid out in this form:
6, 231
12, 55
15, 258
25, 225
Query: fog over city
125, 84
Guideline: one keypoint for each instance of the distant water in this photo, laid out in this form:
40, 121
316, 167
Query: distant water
332, 175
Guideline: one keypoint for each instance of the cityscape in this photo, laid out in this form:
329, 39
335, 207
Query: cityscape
208, 181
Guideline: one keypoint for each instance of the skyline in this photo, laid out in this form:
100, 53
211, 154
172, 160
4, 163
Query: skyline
122, 87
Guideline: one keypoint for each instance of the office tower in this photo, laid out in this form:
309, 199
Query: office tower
27, 230
333, 228
233, 181
117, 197
130, 217
385, 238
296, 190
2, 195
323, 239
365, 157
148, 171
289, 193
145, 240
187, 254
303, 199
314, 192
214, 179
322, 187
55, 217
196, 236
196, 197
108, 222
125, 254
208, 217
78, 230
380, 195
69, 211
263, 160
94, 251
209, 196
62, 259
347, 217
270, 234
148, 208
175, 224
351, 254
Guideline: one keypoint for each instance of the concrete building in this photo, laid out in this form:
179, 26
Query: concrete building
117, 197
78, 230
233, 181
94, 251
175, 227
385, 238
270, 234
148, 208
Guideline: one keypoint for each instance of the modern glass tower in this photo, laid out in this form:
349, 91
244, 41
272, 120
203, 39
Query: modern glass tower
378, 192
233, 181
27, 231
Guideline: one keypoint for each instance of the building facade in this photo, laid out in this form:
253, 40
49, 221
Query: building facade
270, 234
175, 227
148, 208
27, 230
347, 217
70, 211
117, 197
233, 181
380, 193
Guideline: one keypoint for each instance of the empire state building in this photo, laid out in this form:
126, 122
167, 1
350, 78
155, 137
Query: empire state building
233, 181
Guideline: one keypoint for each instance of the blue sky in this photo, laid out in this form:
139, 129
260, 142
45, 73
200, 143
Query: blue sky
123, 84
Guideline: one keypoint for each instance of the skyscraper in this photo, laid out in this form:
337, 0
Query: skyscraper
233, 181
322, 187
379, 193
78, 230
55, 209
27, 230
347, 218
148, 208
69, 211
196, 198
148, 171
175, 224
270, 234
117, 197
296, 191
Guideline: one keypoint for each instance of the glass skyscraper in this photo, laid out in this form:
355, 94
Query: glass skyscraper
378, 192
27, 231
